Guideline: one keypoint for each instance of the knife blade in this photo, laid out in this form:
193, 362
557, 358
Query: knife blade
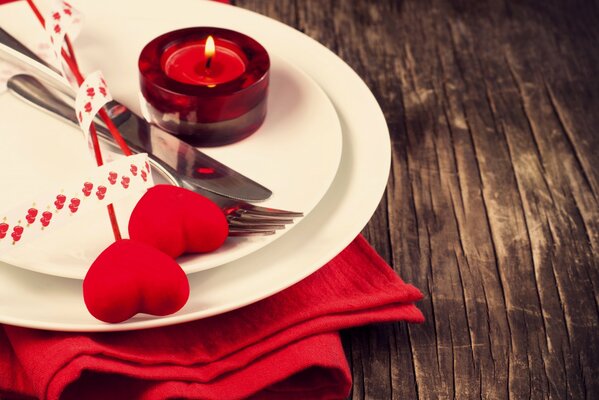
192, 165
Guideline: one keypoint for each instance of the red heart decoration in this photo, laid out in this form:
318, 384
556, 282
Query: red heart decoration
130, 277
47, 215
3, 229
61, 198
101, 192
112, 177
17, 231
31, 214
177, 221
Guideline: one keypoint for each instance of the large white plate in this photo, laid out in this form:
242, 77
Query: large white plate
35, 300
295, 152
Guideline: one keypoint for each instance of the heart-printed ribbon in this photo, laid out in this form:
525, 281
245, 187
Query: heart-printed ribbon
62, 20
44, 213
92, 95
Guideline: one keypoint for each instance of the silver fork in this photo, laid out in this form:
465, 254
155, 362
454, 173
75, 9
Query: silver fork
247, 219
244, 219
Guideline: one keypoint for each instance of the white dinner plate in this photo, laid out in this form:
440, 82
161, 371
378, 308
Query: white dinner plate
295, 153
41, 301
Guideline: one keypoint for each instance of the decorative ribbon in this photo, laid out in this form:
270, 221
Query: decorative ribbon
62, 19
92, 95
101, 187
48, 211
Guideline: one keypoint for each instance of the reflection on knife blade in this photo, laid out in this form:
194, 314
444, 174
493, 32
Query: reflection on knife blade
192, 166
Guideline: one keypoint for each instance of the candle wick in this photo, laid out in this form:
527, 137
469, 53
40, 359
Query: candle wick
209, 49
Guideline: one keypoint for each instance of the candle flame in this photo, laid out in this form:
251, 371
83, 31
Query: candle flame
209, 50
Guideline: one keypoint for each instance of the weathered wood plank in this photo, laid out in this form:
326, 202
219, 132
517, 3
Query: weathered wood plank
492, 207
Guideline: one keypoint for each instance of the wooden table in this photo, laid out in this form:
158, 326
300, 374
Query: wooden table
492, 203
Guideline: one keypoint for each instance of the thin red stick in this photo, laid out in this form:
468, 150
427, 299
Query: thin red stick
114, 131
103, 114
114, 223
70, 49
72, 63
36, 12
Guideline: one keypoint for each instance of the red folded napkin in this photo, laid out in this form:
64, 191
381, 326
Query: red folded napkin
283, 347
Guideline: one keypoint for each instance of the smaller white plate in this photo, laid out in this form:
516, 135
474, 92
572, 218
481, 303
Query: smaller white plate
295, 153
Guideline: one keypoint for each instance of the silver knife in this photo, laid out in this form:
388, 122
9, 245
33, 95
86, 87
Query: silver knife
181, 158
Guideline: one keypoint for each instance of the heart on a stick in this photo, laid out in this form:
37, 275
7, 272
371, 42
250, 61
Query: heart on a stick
130, 277
178, 221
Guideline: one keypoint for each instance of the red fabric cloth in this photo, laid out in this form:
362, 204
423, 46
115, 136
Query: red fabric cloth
283, 347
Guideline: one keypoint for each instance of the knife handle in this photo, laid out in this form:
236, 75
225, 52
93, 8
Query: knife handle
16, 53
32, 91
8, 40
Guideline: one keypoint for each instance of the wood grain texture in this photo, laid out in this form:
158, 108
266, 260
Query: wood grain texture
492, 207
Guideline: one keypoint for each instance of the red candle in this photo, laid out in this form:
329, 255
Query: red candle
208, 63
206, 96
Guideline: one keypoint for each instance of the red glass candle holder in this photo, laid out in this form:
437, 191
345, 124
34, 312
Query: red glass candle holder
205, 102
